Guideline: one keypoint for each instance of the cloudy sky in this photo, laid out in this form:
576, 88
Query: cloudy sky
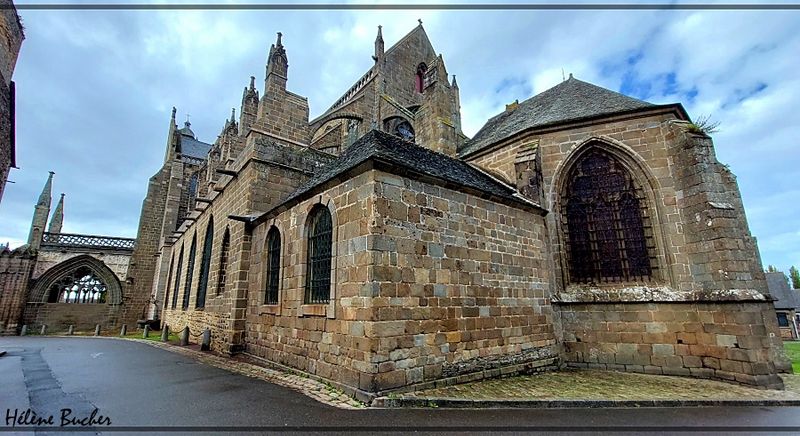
95, 89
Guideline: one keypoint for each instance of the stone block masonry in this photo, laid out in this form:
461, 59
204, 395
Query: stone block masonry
732, 341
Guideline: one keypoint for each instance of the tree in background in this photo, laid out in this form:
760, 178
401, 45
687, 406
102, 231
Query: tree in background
771, 268
794, 275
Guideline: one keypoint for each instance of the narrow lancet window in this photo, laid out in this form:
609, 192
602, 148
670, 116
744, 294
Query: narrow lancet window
273, 266
318, 276
205, 264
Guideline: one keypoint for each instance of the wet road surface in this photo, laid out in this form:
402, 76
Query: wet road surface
141, 388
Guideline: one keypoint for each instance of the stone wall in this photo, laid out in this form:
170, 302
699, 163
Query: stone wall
428, 283
15, 271
734, 341
48, 258
267, 172
11, 36
702, 248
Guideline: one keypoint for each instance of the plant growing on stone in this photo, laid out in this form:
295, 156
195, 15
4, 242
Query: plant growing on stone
703, 126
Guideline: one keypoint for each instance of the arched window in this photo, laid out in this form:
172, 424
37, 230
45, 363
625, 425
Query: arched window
223, 262
205, 263
169, 280
176, 288
318, 276
187, 287
608, 235
81, 286
420, 77
273, 265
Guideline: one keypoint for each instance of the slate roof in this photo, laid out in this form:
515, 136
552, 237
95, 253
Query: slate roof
194, 148
779, 289
406, 156
570, 100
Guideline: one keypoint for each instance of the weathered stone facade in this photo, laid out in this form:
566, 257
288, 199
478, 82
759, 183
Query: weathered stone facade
11, 36
453, 258
61, 279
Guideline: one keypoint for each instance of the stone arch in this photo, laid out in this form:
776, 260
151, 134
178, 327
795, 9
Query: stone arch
39, 292
395, 124
323, 200
322, 121
642, 178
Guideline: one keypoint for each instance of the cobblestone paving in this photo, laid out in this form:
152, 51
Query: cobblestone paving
608, 385
319, 391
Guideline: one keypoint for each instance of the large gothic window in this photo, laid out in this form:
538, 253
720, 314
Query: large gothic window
608, 236
273, 265
81, 286
222, 276
187, 288
320, 237
205, 265
176, 288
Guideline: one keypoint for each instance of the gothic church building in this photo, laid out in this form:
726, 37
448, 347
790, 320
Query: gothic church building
378, 247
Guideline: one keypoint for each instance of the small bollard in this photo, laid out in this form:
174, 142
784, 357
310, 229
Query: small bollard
206, 345
97, 330
24, 331
71, 330
146, 332
185, 336
165, 333
44, 330
124, 330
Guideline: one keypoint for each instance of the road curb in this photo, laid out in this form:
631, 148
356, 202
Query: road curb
458, 403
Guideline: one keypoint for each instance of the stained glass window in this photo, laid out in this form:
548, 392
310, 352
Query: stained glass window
205, 264
222, 277
608, 235
273, 265
318, 277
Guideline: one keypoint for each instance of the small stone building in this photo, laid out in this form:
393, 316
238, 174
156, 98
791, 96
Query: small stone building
786, 302
378, 247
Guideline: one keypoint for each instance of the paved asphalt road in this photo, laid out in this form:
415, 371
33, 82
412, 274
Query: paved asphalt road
136, 385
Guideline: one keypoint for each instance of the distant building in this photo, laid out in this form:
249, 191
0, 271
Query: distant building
787, 304
11, 36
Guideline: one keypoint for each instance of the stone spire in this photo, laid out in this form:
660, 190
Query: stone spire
277, 65
171, 140
40, 214
378, 45
58, 217
249, 109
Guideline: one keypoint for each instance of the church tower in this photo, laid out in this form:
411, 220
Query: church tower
40, 214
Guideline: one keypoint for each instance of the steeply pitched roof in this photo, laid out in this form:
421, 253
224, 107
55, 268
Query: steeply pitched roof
779, 290
570, 100
404, 157
194, 148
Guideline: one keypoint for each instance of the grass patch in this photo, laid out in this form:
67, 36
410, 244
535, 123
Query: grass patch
154, 336
793, 352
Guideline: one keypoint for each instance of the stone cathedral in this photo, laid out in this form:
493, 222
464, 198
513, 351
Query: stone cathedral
378, 247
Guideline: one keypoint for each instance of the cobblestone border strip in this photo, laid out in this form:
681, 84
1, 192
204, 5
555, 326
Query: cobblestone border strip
458, 403
321, 392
